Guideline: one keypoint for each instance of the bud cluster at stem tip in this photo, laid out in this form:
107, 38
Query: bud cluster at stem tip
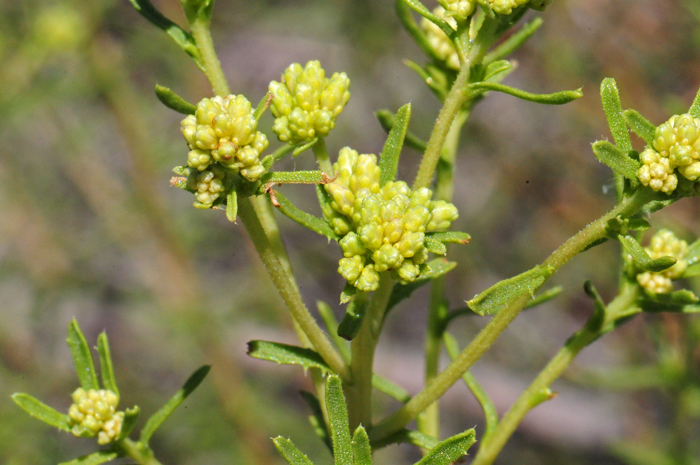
664, 243
383, 227
306, 103
438, 40
94, 413
460, 10
505, 7
676, 145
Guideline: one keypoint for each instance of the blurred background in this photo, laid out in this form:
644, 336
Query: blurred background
90, 228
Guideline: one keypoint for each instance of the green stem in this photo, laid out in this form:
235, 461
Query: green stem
212, 66
453, 104
363, 348
322, 158
287, 289
141, 455
538, 391
487, 336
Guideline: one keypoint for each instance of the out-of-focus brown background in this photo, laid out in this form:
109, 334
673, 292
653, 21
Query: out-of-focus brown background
90, 228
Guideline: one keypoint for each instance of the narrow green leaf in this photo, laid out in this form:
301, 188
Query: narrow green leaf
500, 294
544, 297
641, 259
183, 39
361, 450
289, 451
331, 323
436, 268
496, 68
295, 177
349, 293
283, 151
487, 405
338, 419
403, 12
514, 42
316, 418
307, 220
389, 160
173, 101
41, 411
262, 106
82, 357
422, 10
596, 321
109, 381
355, 314
694, 110
96, 458
640, 125
131, 416
285, 354
610, 97
434, 246
450, 237
682, 297
407, 436
232, 206
387, 120
438, 86
557, 98
166, 410
390, 388
449, 450
299, 149
616, 159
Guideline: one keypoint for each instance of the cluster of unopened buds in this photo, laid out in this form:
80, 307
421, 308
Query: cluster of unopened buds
664, 243
94, 413
382, 227
223, 138
676, 148
306, 103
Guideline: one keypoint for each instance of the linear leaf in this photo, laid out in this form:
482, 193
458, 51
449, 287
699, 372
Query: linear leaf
610, 97
695, 107
183, 39
616, 159
389, 161
331, 323
487, 405
299, 149
500, 294
295, 177
682, 297
109, 381
165, 411
403, 12
408, 436
338, 419
262, 106
96, 458
361, 450
449, 450
316, 418
131, 416
307, 220
496, 68
285, 354
545, 296
557, 98
513, 42
436, 267
82, 357
598, 318
438, 87
451, 237
422, 10
173, 101
289, 451
640, 125
390, 388
642, 259
434, 246
41, 411
352, 321
387, 120
232, 206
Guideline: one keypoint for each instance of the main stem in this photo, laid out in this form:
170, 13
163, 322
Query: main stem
287, 289
363, 348
202, 37
504, 317
140, 455
322, 158
531, 397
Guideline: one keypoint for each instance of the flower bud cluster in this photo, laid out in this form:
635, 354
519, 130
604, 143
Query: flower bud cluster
458, 9
306, 103
94, 413
438, 40
676, 146
664, 243
223, 132
505, 7
383, 227
207, 185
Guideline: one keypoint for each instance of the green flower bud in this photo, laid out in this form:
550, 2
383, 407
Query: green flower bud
199, 159
306, 103
505, 7
664, 243
655, 283
93, 413
351, 268
656, 171
408, 272
352, 245
460, 10
438, 40
442, 214
111, 429
208, 185
368, 280
387, 257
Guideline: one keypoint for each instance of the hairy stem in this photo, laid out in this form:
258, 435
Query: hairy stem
202, 37
141, 455
363, 348
487, 336
538, 391
287, 289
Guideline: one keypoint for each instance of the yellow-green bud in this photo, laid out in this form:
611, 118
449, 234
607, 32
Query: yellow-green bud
306, 103
438, 40
505, 7
350, 268
656, 172
678, 139
208, 185
94, 413
351, 245
460, 10
408, 272
442, 214
664, 243
368, 280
